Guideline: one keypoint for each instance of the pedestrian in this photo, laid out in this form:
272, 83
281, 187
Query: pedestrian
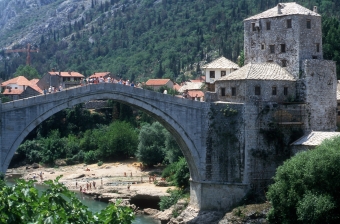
45, 91
94, 184
196, 97
76, 184
80, 188
165, 91
128, 186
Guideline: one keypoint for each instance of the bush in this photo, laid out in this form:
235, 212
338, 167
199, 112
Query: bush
306, 187
178, 173
91, 157
168, 201
100, 163
22, 203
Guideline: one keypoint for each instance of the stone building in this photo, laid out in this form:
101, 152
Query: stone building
286, 89
286, 34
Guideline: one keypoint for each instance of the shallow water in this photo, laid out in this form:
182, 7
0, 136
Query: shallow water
96, 206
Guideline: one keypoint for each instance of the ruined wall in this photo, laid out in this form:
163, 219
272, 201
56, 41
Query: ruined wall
225, 153
319, 92
300, 42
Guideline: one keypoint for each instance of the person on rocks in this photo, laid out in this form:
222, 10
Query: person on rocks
94, 184
80, 188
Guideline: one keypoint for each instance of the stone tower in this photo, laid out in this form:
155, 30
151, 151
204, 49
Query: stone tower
287, 34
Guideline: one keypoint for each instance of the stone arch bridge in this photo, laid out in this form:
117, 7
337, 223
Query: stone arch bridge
217, 168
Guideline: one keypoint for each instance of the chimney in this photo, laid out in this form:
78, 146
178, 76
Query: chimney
279, 9
315, 9
69, 72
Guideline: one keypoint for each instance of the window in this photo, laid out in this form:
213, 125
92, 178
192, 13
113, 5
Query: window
233, 91
284, 63
274, 90
314, 57
268, 25
262, 47
309, 24
285, 91
338, 113
222, 91
223, 73
253, 28
289, 23
257, 90
212, 74
283, 48
317, 47
272, 49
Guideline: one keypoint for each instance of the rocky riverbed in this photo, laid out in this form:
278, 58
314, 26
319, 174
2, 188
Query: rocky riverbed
127, 182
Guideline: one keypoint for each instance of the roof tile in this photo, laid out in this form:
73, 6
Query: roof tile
291, 8
222, 63
260, 71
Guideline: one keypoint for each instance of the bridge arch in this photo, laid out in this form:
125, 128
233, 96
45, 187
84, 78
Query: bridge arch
160, 107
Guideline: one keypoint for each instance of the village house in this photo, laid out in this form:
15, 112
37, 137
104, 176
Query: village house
156, 84
20, 87
104, 75
217, 69
65, 79
193, 90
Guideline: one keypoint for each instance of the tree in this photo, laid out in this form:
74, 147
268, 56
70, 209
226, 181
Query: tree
22, 203
151, 144
27, 71
306, 188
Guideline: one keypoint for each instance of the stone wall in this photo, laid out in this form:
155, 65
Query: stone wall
319, 86
300, 42
245, 90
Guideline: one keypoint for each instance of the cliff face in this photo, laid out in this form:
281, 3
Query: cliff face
24, 21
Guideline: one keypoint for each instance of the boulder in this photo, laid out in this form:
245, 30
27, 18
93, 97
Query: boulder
35, 166
150, 211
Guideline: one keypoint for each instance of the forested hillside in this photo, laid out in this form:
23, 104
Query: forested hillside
140, 39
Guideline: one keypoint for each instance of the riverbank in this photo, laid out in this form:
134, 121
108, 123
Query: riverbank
112, 181
109, 182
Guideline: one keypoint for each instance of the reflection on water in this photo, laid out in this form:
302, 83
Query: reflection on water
96, 206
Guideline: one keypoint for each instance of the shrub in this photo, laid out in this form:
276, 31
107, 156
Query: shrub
91, 157
22, 203
306, 187
100, 163
168, 201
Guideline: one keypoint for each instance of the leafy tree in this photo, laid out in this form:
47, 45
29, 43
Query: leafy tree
22, 204
171, 150
27, 71
4, 98
306, 188
151, 144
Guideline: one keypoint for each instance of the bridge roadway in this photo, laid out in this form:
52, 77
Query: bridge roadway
187, 120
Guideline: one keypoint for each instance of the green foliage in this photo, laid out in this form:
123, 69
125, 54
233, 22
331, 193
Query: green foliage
151, 144
4, 98
178, 173
100, 163
240, 60
167, 201
306, 188
22, 203
27, 71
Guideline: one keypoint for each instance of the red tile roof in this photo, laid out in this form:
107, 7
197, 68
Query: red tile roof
176, 87
99, 74
157, 82
67, 74
192, 93
13, 92
34, 81
36, 88
20, 81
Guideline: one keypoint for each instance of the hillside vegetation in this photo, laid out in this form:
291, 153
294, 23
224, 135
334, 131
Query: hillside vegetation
140, 39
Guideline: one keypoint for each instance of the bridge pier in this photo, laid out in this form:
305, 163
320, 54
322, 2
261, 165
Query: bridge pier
216, 196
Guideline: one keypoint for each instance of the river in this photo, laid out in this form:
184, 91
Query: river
96, 206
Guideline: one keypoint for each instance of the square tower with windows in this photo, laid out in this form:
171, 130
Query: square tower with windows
287, 34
